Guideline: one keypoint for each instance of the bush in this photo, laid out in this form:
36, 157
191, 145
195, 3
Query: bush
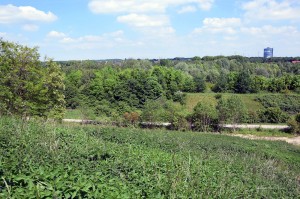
179, 123
287, 103
131, 118
294, 124
204, 117
273, 115
232, 110
218, 96
180, 97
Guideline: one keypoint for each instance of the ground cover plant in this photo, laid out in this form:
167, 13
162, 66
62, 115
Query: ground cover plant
58, 161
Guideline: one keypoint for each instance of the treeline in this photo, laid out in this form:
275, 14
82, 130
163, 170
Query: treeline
114, 87
244, 82
118, 90
221, 74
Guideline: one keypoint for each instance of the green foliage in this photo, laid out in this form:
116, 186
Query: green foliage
27, 86
294, 124
54, 161
287, 103
200, 84
222, 83
232, 110
273, 115
243, 82
128, 84
204, 117
160, 110
180, 97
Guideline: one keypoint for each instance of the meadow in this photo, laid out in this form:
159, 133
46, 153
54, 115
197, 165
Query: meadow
48, 160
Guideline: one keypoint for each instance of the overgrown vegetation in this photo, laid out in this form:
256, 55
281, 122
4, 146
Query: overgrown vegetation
294, 123
119, 86
287, 103
29, 87
42, 161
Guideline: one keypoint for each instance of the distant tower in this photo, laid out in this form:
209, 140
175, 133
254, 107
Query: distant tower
268, 52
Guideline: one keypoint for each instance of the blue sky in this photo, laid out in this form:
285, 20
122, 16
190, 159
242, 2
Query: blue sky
102, 29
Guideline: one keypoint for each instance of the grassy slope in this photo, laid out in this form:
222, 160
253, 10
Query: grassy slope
53, 160
248, 99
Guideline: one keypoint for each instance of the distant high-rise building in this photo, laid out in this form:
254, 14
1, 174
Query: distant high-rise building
268, 52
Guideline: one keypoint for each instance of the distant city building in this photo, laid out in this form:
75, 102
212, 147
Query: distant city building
268, 52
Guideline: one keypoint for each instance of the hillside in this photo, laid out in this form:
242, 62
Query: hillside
248, 99
49, 160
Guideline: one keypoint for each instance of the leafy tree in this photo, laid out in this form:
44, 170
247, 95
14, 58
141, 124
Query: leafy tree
222, 83
27, 87
231, 81
200, 84
258, 83
232, 110
204, 117
159, 110
55, 99
243, 82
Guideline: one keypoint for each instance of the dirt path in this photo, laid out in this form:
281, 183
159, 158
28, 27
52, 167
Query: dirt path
294, 140
255, 126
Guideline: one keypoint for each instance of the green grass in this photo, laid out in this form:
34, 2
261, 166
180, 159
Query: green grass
73, 114
248, 99
263, 133
39, 160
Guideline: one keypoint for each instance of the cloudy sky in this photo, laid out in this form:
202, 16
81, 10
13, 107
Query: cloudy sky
101, 29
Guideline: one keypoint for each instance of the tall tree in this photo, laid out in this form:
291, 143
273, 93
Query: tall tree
243, 82
27, 87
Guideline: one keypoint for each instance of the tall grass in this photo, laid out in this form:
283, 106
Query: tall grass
40, 160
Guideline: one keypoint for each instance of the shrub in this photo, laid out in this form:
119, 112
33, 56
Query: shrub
218, 96
180, 123
132, 117
294, 124
232, 110
287, 103
204, 117
180, 97
273, 115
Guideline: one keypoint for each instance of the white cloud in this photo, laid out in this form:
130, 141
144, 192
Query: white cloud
67, 40
219, 25
30, 27
270, 30
140, 21
142, 6
272, 9
157, 25
3, 34
221, 22
187, 9
55, 34
13, 14
86, 39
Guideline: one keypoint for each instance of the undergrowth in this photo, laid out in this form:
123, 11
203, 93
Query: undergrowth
44, 160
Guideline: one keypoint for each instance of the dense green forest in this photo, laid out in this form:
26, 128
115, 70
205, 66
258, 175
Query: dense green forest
112, 88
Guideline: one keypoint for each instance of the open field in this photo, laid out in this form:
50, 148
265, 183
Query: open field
59, 161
